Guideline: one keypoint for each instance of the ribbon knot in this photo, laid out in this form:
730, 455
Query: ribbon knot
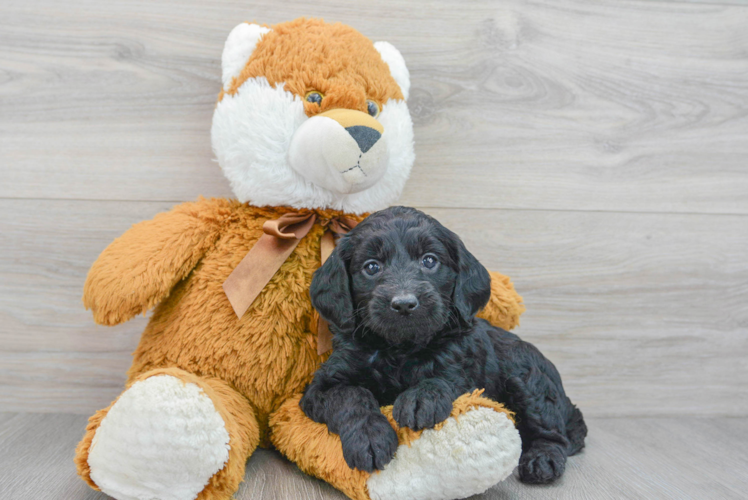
335, 226
279, 239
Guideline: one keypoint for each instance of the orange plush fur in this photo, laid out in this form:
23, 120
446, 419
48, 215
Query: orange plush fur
179, 260
333, 59
329, 463
253, 368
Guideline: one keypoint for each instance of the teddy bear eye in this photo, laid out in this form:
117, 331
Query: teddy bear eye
314, 96
429, 261
371, 267
372, 107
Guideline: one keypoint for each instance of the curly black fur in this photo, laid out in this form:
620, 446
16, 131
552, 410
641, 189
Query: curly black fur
401, 293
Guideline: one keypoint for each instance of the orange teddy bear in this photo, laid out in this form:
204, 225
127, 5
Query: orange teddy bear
311, 122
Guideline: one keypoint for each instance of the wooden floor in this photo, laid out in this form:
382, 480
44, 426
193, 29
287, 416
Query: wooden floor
595, 151
625, 458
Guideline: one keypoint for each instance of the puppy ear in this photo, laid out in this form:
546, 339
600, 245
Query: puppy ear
331, 293
473, 286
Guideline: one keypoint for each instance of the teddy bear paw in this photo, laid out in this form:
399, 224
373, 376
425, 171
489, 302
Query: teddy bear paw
163, 438
468, 455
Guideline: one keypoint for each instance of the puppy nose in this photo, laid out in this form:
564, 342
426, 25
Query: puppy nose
364, 136
404, 304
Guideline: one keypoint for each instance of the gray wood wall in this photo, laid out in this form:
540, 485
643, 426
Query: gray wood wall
597, 152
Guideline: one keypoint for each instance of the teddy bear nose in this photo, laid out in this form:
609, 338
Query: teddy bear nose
404, 304
364, 136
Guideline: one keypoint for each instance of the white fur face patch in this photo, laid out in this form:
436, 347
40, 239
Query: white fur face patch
252, 134
467, 456
162, 439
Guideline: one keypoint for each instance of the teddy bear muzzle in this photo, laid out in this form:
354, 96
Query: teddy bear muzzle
341, 150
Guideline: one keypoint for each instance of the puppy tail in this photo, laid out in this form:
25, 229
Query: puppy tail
576, 430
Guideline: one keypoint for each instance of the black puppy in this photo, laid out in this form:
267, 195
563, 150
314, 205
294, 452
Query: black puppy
401, 293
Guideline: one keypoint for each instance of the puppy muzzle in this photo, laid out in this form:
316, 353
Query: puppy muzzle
341, 150
411, 314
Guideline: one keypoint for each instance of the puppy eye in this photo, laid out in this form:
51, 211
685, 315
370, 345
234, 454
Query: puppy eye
429, 261
314, 96
373, 108
371, 267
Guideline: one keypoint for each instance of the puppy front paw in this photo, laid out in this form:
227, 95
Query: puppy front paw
422, 407
370, 444
542, 463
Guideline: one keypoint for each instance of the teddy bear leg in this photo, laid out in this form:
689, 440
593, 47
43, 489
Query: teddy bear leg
314, 449
170, 435
475, 448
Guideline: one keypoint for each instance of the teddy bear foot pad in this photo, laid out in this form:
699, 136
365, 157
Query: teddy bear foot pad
144, 436
468, 455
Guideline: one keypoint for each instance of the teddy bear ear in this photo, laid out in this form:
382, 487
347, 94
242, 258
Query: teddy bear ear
395, 61
239, 47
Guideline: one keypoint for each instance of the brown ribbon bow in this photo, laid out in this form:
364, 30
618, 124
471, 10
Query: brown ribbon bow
280, 238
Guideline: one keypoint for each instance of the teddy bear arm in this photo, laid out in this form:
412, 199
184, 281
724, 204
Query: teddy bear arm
505, 305
139, 269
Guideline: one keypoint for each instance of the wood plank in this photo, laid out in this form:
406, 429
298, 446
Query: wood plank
37, 458
642, 313
654, 458
611, 105
52, 355
713, 2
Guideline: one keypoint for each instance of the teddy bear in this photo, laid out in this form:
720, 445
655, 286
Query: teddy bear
312, 130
